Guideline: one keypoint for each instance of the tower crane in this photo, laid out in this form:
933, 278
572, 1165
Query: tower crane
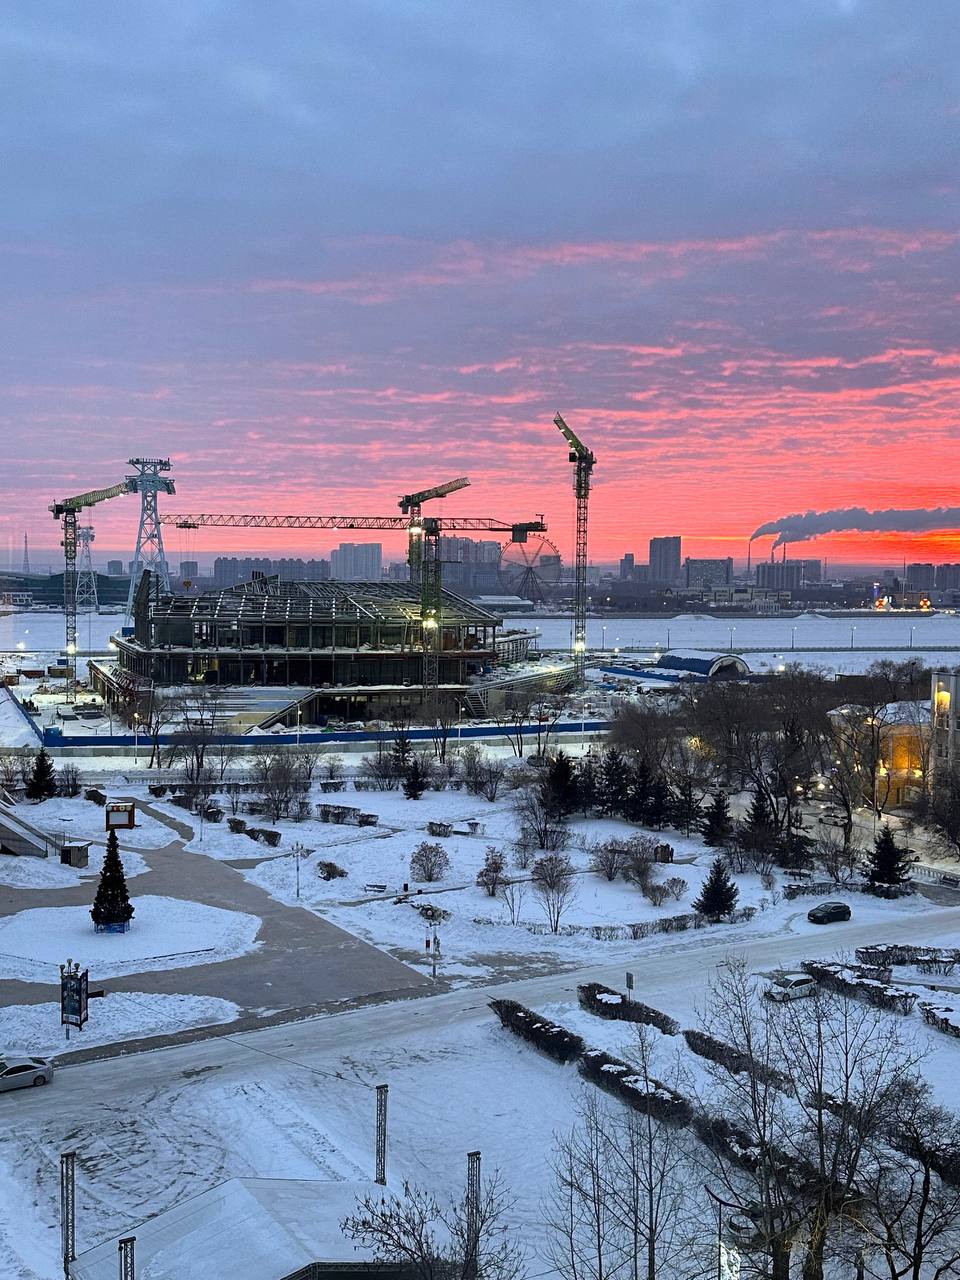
148, 482
66, 510
431, 527
410, 504
584, 460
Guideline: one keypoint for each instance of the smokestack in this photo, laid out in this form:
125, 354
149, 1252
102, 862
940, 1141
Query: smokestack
26, 555
783, 558
749, 554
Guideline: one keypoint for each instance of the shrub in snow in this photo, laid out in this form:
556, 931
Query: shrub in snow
735, 1060
237, 825
656, 892
428, 863
549, 1037
95, 795
608, 859
904, 953
607, 1003
490, 875
330, 871
942, 1016
429, 912
157, 789
272, 838
640, 1092
676, 887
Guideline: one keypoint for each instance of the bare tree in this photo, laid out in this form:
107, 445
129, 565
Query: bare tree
9, 768
333, 767
554, 887
440, 1242
512, 894
308, 756
68, 779
279, 780
158, 710
514, 715
621, 1205
441, 713
200, 715
537, 818
608, 858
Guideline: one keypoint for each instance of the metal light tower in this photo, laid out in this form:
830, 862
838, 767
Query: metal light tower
87, 599
584, 460
148, 482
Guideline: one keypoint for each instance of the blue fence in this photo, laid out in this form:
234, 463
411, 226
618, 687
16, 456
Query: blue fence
55, 737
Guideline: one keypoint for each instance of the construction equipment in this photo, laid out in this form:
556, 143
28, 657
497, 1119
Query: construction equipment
584, 460
411, 505
87, 598
148, 482
66, 510
149, 554
431, 529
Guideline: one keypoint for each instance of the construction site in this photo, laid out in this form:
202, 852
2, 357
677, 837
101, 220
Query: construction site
342, 651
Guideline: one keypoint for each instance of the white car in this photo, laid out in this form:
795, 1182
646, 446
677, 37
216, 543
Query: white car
18, 1071
791, 986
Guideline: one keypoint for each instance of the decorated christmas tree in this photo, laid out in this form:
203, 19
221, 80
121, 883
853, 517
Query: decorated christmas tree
112, 905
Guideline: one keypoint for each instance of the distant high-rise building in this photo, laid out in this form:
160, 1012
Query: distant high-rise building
921, 577
114, 568
627, 565
947, 577
708, 573
357, 562
812, 570
780, 575
189, 570
665, 560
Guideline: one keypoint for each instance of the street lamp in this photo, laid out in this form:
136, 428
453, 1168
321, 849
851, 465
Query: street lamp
853, 632
136, 737
603, 639
299, 851
732, 630
793, 637
912, 630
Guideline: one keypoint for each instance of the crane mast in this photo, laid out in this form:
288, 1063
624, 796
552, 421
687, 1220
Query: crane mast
584, 461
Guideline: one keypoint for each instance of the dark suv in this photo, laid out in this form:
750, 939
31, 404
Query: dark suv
828, 913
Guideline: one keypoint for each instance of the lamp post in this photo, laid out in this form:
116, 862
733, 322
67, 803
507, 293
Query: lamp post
912, 630
853, 632
136, 737
603, 639
299, 852
793, 637
732, 631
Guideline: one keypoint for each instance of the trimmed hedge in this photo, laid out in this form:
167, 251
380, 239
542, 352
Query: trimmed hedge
607, 1003
727, 1055
237, 825
846, 980
96, 795
942, 1016
330, 871
903, 953
547, 1036
621, 1079
628, 932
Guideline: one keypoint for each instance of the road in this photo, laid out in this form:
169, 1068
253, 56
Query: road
318, 1042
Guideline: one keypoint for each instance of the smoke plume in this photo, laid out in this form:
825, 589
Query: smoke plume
812, 524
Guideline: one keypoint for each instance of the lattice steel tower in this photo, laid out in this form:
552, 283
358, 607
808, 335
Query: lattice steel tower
584, 461
148, 482
87, 599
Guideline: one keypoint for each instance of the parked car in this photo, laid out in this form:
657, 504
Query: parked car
828, 912
791, 986
18, 1071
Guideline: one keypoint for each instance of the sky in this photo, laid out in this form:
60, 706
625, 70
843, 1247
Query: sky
323, 254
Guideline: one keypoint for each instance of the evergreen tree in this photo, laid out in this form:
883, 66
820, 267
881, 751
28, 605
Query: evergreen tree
415, 778
636, 806
717, 824
660, 804
612, 783
586, 781
888, 862
43, 780
561, 788
718, 897
757, 831
684, 804
112, 904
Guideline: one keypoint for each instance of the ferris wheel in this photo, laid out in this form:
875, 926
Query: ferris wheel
530, 569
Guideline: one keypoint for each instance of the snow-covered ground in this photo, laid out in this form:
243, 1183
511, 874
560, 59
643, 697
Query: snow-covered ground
48, 873
166, 933
76, 817
122, 1015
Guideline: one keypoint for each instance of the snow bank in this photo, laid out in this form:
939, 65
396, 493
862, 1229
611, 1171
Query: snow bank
121, 1015
166, 933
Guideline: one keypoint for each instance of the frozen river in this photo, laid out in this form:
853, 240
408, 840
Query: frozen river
840, 643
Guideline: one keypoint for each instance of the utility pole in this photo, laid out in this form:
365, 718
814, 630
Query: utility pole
128, 1266
68, 1209
381, 1174
473, 1215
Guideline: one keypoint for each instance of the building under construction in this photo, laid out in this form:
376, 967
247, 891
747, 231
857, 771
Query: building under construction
358, 647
